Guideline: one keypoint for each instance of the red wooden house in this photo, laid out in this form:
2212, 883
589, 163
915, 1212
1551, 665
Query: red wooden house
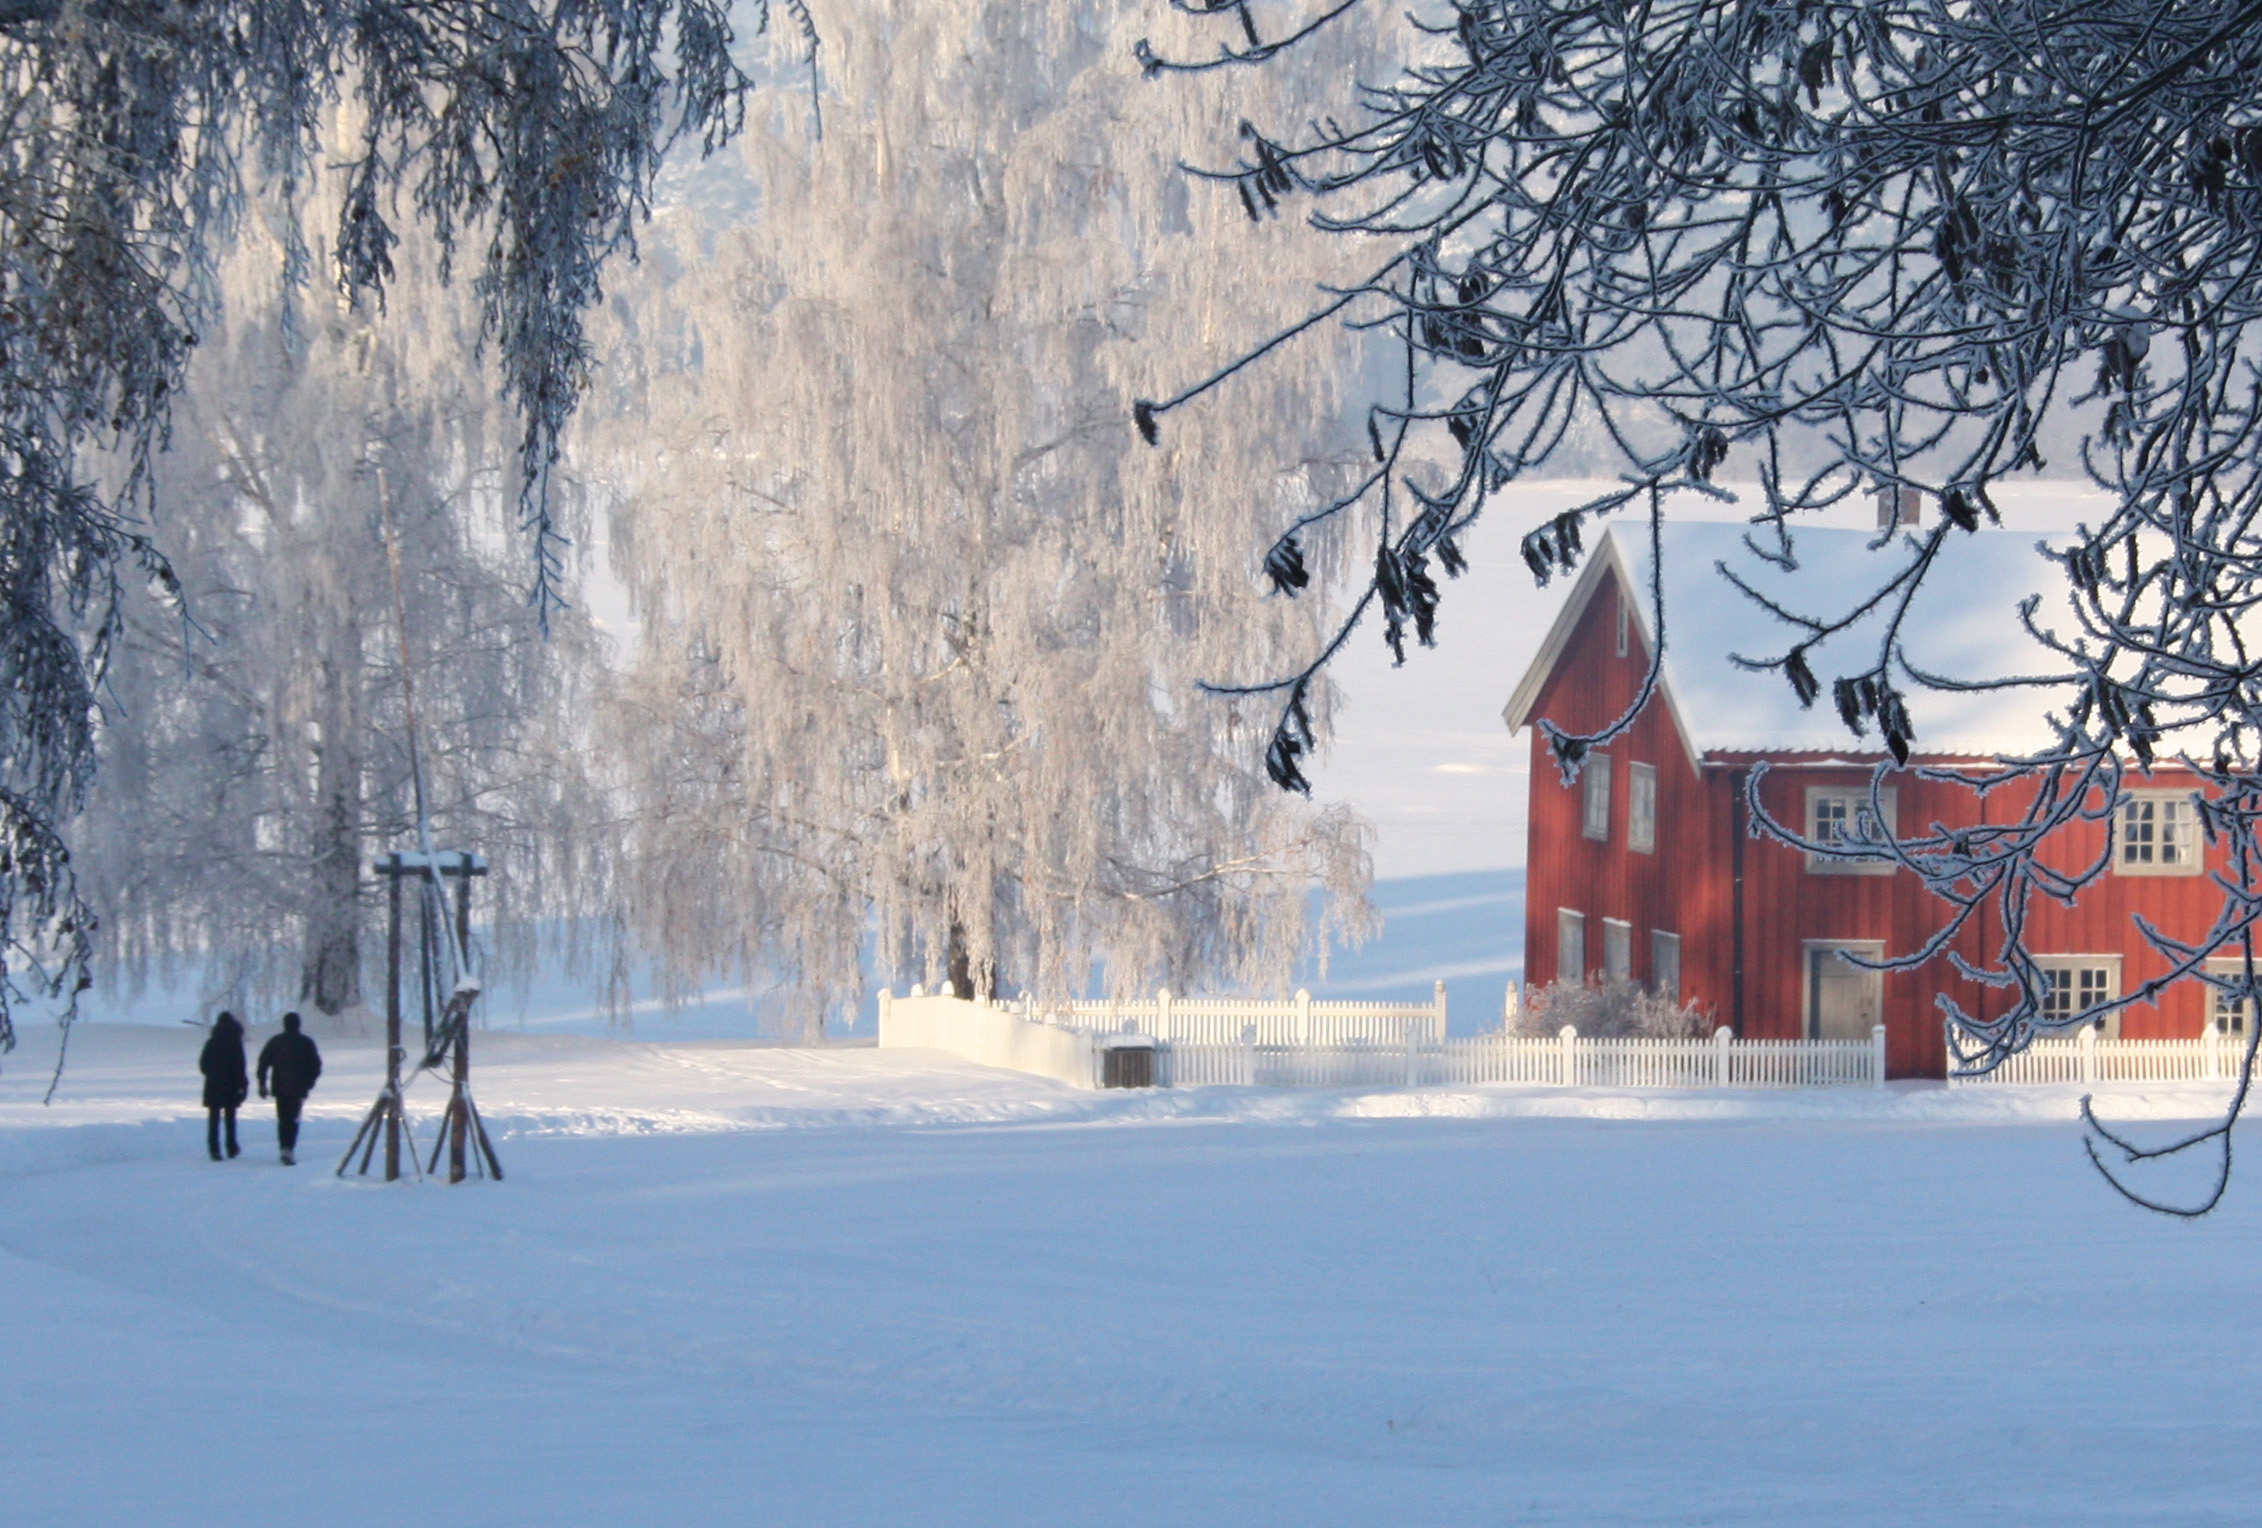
1644, 868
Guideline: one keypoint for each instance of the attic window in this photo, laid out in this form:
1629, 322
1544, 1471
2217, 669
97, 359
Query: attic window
1898, 505
1623, 620
1837, 814
1594, 803
1641, 808
2159, 832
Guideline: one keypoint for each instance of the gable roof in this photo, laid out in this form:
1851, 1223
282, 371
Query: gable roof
1963, 624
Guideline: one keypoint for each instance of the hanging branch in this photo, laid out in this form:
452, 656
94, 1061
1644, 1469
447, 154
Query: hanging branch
532, 130
1898, 245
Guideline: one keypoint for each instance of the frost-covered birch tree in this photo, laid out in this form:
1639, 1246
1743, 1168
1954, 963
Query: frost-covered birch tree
1821, 244
922, 619
523, 134
254, 747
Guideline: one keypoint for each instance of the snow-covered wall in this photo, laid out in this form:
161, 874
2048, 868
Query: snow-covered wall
991, 1036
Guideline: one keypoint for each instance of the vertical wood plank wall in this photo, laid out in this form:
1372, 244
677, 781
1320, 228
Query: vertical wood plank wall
1686, 886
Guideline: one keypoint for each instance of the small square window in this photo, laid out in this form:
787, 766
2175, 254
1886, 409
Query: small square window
1641, 808
1617, 950
1594, 805
1665, 965
2076, 983
1570, 945
2158, 833
1839, 813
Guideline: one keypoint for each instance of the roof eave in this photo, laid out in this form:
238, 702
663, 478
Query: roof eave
1607, 563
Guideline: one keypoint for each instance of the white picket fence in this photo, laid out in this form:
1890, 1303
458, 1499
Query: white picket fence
1301, 1020
2085, 1057
1564, 1060
1402, 1045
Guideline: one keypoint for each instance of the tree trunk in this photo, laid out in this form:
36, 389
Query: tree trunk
966, 979
957, 969
331, 974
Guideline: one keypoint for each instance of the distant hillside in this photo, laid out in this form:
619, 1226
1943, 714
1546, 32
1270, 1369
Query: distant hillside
1466, 929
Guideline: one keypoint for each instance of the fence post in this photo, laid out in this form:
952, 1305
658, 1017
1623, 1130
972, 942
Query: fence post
2214, 1051
1877, 1055
1570, 1039
1163, 1031
2088, 1053
1511, 1004
1303, 1016
1439, 1004
1720, 1041
1249, 1055
1413, 1051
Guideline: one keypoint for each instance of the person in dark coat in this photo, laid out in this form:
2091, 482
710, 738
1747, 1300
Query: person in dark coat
288, 1065
225, 1081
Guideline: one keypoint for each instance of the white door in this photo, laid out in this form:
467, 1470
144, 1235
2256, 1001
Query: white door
1843, 1001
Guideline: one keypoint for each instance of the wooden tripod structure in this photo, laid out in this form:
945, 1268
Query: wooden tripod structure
447, 1034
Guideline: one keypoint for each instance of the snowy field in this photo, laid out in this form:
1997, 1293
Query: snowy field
727, 1283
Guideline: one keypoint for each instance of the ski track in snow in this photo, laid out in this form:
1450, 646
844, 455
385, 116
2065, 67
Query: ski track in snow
730, 1283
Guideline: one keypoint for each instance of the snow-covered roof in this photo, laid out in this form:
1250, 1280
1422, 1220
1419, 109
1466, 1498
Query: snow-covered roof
1964, 624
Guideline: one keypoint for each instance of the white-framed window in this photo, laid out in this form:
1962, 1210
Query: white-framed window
1641, 808
1897, 505
1665, 965
2227, 1013
1594, 805
2157, 833
1570, 945
2078, 982
1617, 950
1836, 813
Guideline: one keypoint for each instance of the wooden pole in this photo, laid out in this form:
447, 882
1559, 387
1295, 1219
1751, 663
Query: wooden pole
393, 1022
457, 1111
462, 1097
427, 959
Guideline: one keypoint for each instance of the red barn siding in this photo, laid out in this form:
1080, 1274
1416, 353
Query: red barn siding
1688, 886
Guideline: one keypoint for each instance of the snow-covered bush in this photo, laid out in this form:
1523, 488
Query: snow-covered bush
1608, 1010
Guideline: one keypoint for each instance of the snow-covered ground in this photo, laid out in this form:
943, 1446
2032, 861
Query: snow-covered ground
726, 1283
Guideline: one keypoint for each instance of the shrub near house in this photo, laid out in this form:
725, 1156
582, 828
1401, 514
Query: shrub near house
1644, 868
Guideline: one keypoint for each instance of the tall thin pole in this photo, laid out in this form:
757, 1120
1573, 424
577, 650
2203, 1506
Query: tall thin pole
393, 1022
460, 1101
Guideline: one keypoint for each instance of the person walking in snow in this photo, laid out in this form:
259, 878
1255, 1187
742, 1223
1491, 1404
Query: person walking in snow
288, 1066
225, 1082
